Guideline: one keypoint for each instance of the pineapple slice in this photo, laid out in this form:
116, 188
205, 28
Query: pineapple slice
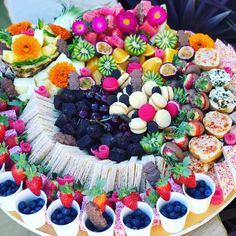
49, 50
8, 56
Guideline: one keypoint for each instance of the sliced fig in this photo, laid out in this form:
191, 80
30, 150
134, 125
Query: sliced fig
192, 68
195, 114
189, 80
103, 48
203, 84
169, 132
86, 83
169, 149
186, 53
200, 100
168, 70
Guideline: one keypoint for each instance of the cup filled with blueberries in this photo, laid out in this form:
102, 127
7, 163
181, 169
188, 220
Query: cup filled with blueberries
32, 208
137, 222
64, 220
200, 197
97, 222
173, 213
9, 190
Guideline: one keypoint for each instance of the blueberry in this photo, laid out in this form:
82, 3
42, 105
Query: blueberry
201, 183
116, 73
191, 191
169, 208
66, 211
172, 215
61, 222
53, 216
55, 221
183, 209
73, 213
32, 205
156, 90
207, 192
57, 211
40, 202
37, 208
59, 216
27, 210
8, 192
129, 89
177, 208
21, 206
135, 222
32, 212
164, 212
146, 221
197, 194
201, 189
68, 219
129, 225
8, 183
124, 99
89, 225
138, 212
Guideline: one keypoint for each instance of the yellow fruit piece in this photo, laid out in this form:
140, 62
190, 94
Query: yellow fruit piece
152, 64
169, 54
8, 56
97, 76
92, 64
123, 66
120, 55
150, 51
142, 59
49, 50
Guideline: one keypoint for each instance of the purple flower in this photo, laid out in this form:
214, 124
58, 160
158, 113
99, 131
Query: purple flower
126, 21
99, 24
79, 28
156, 16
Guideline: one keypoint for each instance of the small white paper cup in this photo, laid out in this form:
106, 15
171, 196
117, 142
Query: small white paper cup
138, 232
173, 225
108, 232
70, 229
199, 206
2, 168
37, 219
8, 202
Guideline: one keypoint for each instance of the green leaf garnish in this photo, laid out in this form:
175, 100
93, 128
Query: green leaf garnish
30, 62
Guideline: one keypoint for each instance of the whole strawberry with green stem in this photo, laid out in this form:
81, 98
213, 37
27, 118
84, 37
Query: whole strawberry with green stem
78, 189
3, 127
14, 140
98, 195
129, 198
181, 174
151, 197
3, 102
18, 169
34, 180
163, 188
66, 195
4, 154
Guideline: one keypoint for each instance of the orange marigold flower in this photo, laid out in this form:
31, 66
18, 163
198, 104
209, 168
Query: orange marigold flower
17, 28
199, 40
26, 48
58, 30
59, 74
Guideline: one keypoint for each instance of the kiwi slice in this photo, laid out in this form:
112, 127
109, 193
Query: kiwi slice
106, 64
151, 75
135, 45
83, 51
166, 39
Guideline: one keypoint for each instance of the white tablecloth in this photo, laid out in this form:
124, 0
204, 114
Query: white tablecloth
31, 10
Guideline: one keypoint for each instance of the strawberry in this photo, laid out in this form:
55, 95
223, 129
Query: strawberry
34, 181
50, 188
163, 188
66, 195
2, 132
18, 169
78, 193
182, 142
129, 198
11, 124
181, 174
11, 141
101, 201
151, 197
3, 105
4, 154
66, 179
19, 126
196, 128
17, 105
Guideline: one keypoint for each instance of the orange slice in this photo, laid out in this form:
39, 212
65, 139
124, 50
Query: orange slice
150, 51
92, 64
122, 66
169, 54
120, 55
152, 64
142, 59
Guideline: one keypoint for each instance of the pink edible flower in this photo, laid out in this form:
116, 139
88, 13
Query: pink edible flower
42, 90
66, 179
79, 28
99, 24
159, 53
85, 72
106, 11
126, 21
114, 197
217, 197
156, 16
25, 147
29, 32
228, 70
19, 126
102, 152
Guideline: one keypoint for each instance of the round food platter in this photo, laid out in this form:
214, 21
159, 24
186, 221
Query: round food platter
112, 122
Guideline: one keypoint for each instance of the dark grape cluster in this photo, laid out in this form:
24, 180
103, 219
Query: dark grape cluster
85, 116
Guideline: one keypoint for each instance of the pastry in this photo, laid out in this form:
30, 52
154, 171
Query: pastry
124, 80
206, 148
146, 112
118, 108
217, 124
163, 118
158, 101
138, 126
137, 99
148, 86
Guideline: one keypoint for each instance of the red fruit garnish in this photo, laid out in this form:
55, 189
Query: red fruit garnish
78, 197
4, 154
35, 184
3, 105
190, 181
66, 195
130, 199
129, 202
18, 174
50, 188
11, 141
66, 179
19, 126
2, 132
163, 188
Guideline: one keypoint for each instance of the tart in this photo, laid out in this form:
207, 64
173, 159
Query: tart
217, 124
206, 148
